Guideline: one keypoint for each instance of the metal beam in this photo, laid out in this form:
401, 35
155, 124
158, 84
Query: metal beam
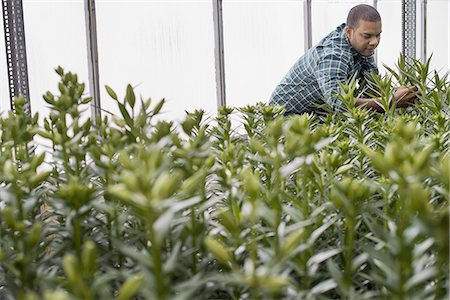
16, 54
307, 24
92, 49
375, 5
423, 30
409, 28
219, 52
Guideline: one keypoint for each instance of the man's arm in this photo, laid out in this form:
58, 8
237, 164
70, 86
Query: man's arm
332, 69
369, 103
404, 96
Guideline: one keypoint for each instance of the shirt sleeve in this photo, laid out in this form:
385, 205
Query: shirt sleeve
332, 69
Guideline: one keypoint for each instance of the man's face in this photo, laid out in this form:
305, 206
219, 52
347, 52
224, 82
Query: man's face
365, 37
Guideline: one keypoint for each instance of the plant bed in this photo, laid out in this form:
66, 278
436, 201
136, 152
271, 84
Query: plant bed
349, 206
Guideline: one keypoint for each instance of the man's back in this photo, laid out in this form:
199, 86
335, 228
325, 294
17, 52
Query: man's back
312, 82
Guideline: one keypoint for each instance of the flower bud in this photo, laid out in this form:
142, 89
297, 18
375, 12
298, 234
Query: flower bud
89, 258
130, 287
35, 235
218, 250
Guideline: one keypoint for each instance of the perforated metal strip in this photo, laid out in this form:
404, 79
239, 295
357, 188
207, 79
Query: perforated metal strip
409, 28
16, 54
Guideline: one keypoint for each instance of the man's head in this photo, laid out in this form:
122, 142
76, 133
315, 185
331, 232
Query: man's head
363, 29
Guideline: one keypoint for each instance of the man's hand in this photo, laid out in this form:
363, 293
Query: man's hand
405, 96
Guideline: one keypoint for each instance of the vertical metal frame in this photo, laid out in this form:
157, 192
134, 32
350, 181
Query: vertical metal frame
219, 52
375, 5
409, 28
307, 23
92, 49
16, 54
423, 30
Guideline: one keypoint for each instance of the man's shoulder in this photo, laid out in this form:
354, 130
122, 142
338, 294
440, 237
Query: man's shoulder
335, 44
337, 53
337, 36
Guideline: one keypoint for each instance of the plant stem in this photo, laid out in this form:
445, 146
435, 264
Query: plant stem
155, 252
194, 242
348, 252
77, 236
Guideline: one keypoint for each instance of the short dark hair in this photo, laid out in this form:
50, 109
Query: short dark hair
362, 12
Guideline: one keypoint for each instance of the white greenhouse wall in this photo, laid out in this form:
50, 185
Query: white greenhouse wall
166, 48
438, 40
261, 39
163, 48
55, 36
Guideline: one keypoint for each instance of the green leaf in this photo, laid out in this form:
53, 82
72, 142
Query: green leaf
44, 134
59, 70
118, 121
158, 106
171, 262
111, 92
384, 262
319, 231
335, 273
163, 224
86, 100
142, 257
420, 278
343, 169
322, 256
358, 261
323, 287
125, 115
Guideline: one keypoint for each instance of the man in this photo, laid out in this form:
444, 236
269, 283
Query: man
311, 85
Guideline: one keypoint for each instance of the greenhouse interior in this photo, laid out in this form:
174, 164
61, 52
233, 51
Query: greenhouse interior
225, 149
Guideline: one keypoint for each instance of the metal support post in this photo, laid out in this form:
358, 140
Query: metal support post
92, 49
16, 54
307, 24
219, 52
375, 5
409, 29
423, 30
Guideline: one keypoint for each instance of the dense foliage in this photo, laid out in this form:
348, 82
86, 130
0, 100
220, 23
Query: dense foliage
247, 205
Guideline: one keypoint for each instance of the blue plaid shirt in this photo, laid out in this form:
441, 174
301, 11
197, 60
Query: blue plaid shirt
312, 82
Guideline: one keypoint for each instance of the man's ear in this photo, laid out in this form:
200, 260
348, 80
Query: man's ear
348, 32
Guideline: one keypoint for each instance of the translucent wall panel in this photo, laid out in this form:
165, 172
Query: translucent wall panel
55, 35
329, 14
438, 34
391, 39
262, 40
166, 48
163, 48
